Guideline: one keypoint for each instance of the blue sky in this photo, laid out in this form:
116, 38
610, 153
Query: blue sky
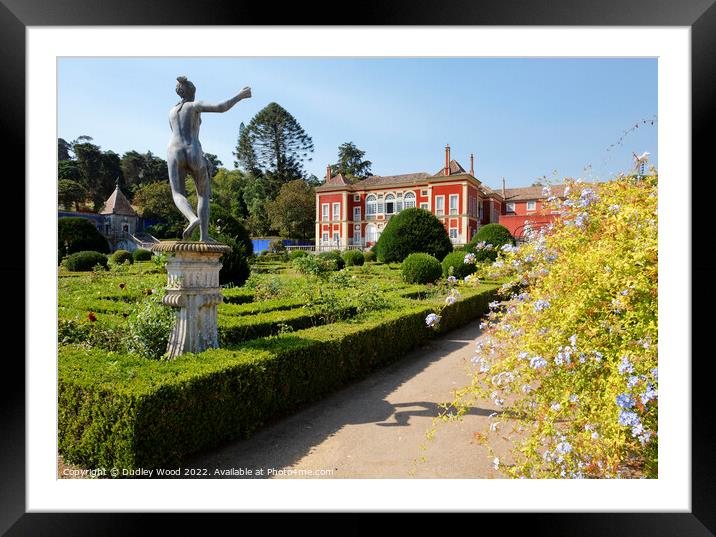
522, 118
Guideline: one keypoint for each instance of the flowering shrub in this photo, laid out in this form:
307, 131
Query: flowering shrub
570, 355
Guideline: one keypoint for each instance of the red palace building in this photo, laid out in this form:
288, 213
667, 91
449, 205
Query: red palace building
353, 214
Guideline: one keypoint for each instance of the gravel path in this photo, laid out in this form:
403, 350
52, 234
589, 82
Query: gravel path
374, 428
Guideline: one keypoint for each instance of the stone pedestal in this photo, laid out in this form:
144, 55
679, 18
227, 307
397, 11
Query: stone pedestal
193, 288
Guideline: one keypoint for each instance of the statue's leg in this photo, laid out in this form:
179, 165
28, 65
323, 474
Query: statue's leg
202, 182
177, 178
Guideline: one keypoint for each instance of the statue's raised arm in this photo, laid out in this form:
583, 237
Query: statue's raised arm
202, 106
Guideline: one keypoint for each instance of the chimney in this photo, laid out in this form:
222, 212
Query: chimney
328, 173
447, 159
503, 187
472, 164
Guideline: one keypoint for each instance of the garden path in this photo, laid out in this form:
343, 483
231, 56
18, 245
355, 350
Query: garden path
375, 427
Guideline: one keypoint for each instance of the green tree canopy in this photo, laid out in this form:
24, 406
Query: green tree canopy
70, 192
350, 162
274, 144
293, 212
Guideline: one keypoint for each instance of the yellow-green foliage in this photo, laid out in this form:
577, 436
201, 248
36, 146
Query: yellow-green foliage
571, 353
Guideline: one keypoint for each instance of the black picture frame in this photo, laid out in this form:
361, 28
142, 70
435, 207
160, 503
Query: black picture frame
699, 15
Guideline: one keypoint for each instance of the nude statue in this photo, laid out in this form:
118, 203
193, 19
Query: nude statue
185, 155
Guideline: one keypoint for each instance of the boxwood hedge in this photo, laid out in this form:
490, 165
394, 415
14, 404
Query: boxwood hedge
117, 410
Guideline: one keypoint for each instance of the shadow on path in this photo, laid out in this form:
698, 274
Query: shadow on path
285, 441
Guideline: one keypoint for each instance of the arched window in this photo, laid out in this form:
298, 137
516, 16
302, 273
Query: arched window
409, 200
370, 233
370, 206
389, 204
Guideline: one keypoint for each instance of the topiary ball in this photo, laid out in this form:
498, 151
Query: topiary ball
495, 234
120, 256
353, 258
333, 256
141, 254
85, 261
420, 268
369, 256
413, 230
456, 260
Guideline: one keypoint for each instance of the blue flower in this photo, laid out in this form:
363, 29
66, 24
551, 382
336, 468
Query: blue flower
452, 279
628, 417
625, 400
556, 407
625, 366
494, 304
469, 259
537, 362
495, 463
541, 305
450, 300
573, 340
574, 398
649, 394
563, 447
432, 319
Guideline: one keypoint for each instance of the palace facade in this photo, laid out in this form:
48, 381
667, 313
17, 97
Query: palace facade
354, 214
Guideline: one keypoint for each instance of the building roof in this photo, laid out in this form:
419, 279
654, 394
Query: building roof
338, 179
454, 169
529, 193
393, 180
117, 203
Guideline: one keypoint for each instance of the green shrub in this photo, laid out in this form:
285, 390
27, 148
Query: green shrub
150, 327
141, 254
456, 261
85, 261
353, 258
420, 268
121, 411
235, 268
120, 256
369, 256
333, 257
295, 254
413, 230
223, 224
314, 265
81, 235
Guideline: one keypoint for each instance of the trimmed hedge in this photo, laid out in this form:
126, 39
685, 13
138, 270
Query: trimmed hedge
456, 260
120, 411
369, 256
141, 254
412, 230
420, 268
353, 258
85, 261
120, 256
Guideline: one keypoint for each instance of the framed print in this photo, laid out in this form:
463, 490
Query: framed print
258, 58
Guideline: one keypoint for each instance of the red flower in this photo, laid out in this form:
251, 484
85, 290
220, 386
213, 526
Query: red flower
91, 316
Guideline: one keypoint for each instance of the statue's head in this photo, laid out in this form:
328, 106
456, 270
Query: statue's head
185, 89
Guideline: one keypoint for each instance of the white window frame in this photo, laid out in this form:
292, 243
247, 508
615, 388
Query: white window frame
390, 199
371, 206
325, 236
409, 200
453, 229
356, 214
423, 193
324, 211
455, 197
479, 210
531, 205
357, 234
439, 205
337, 237
356, 197
424, 205
334, 211
510, 207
